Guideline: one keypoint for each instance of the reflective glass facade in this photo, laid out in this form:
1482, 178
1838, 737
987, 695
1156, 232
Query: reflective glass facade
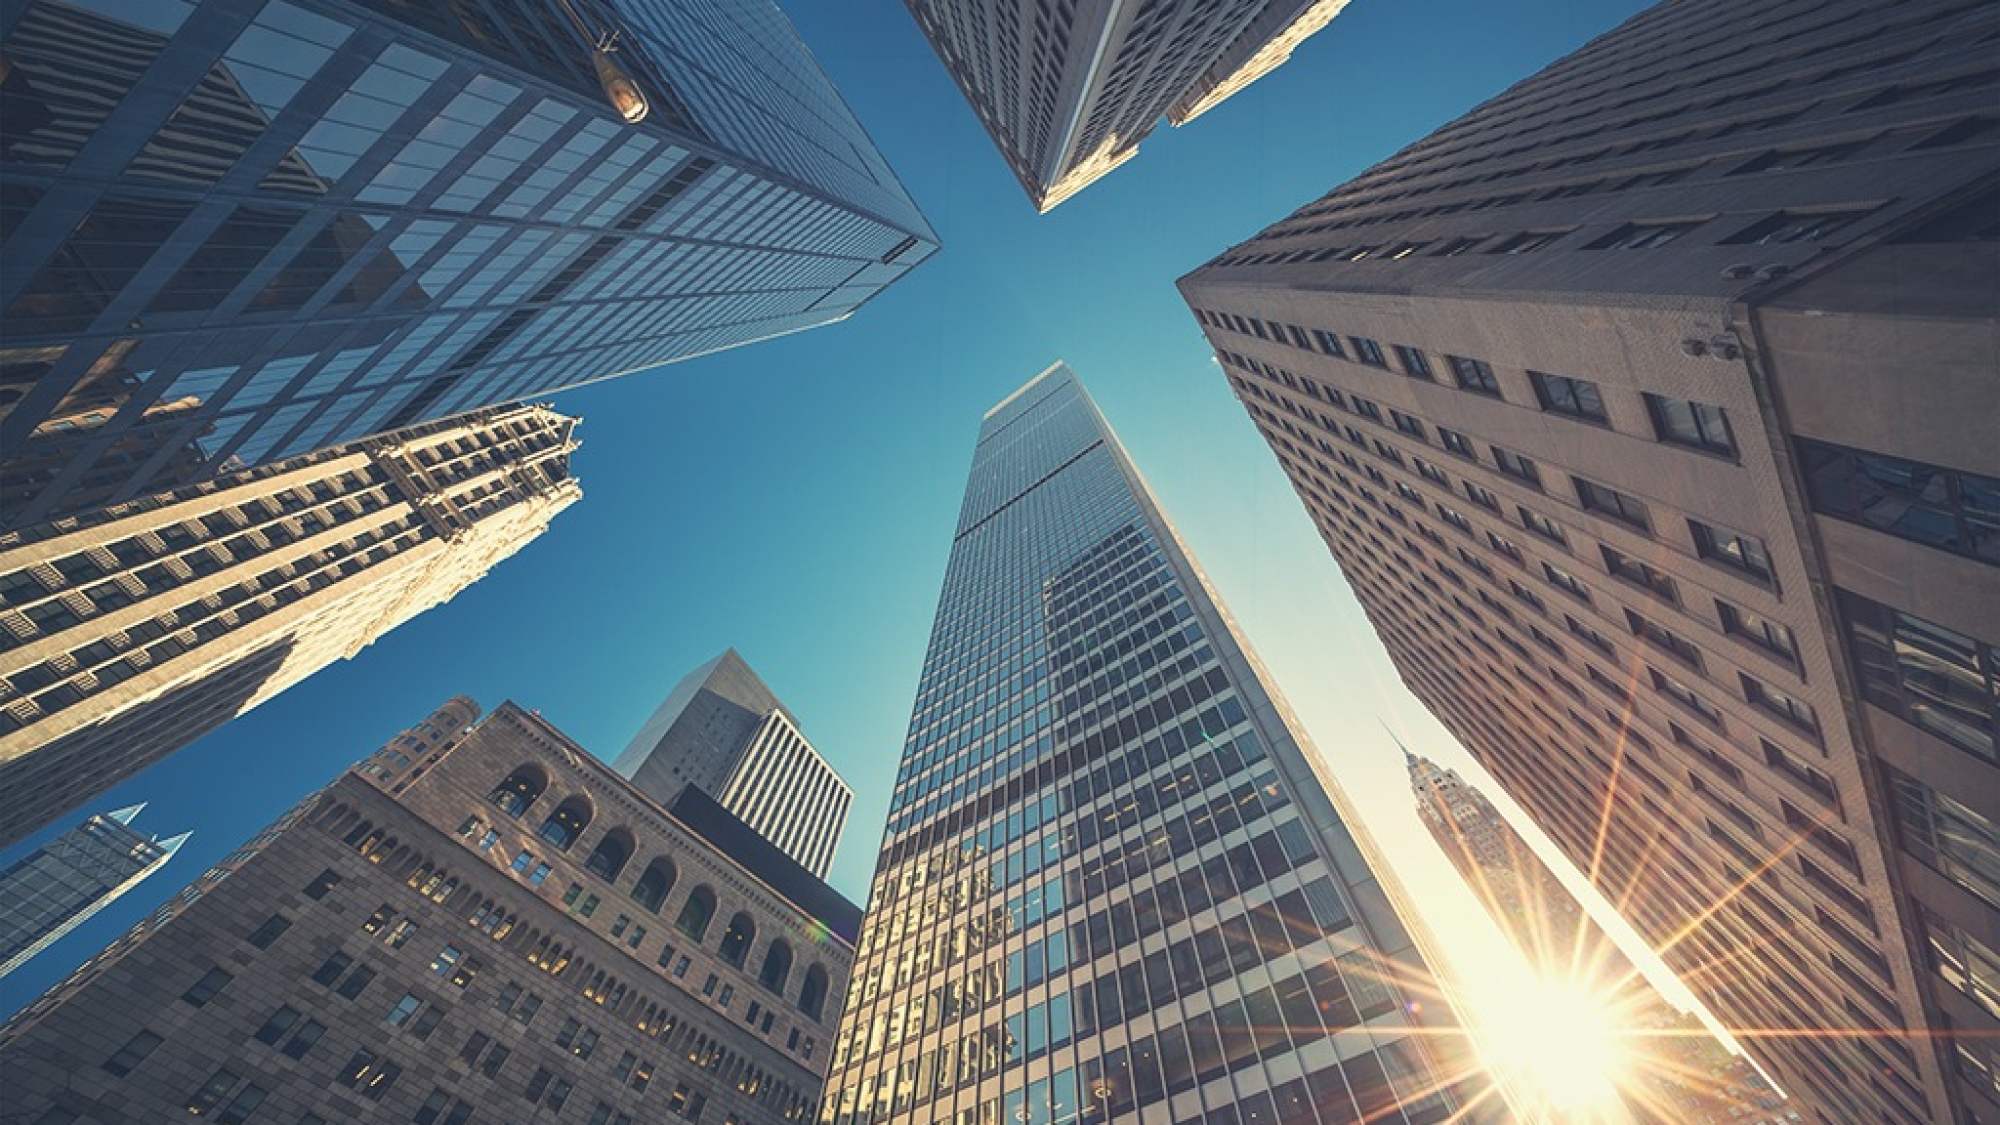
1111, 883
243, 231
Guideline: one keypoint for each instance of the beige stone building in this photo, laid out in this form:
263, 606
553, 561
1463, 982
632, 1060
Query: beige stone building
1649, 411
129, 632
479, 923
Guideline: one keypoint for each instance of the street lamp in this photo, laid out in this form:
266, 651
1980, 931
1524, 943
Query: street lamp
619, 88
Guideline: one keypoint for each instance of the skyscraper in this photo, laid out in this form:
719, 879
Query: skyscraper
1069, 92
1648, 409
1112, 877
725, 733
481, 922
239, 232
1528, 901
58, 888
129, 633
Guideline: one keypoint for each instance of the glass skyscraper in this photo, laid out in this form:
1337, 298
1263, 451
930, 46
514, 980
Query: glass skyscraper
69, 879
1113, 881
239, 231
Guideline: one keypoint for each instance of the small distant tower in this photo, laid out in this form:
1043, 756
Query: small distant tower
71, 878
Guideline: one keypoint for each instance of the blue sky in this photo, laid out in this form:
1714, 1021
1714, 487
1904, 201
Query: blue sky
795, 498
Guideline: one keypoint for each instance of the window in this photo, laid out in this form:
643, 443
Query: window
1543, 526
1517, 466
1680, 647
303, 1039
402, 1010
1695, 425
1811, 780
212, 1092
1936, 679
321, 884
1481, 496
1577, 398
1792, 226
1408, 425
281, 1021
1681, 693
1566, 582
1732, 549
1589, 636
1643, 236
1368, 351
269, 931
1456, 519
1758, 630
369, 1075
1367, 409
1475, 375
1777, 703
737, 939
1458, 443
1621, 565
1949, 837
205, 989
354, 984
1964, 962
1329, 343
1944, 508
1415, 363
697, 912
1611, 502
132, 1053
1432, 473
1525, 243
330, 970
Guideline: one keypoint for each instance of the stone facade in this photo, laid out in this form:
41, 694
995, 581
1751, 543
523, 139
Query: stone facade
133, 630
480, 922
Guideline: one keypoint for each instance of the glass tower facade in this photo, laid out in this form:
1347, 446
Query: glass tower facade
1112, 883
239, 231
72, 877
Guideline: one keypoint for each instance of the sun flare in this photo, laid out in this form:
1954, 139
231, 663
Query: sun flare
1563, 1048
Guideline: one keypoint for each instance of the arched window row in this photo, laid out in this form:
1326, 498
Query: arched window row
492, 919
551, 957
432, 882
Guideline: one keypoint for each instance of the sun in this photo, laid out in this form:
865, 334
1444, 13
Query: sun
1559, 1046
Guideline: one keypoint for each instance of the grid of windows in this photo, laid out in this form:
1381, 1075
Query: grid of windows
1082, 773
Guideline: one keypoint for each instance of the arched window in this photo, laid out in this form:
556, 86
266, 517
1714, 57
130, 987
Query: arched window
520, 790
737, 938
812, 994
777, 966
610, 856
696, 912
567, 823
651, 889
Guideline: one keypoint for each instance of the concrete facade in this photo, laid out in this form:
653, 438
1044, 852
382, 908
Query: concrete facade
131, 632
1561, 385
480, 922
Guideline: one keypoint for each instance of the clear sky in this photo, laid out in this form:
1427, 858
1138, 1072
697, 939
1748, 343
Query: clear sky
795, 498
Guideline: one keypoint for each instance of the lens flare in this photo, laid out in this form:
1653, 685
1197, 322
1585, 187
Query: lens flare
1559, 1047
